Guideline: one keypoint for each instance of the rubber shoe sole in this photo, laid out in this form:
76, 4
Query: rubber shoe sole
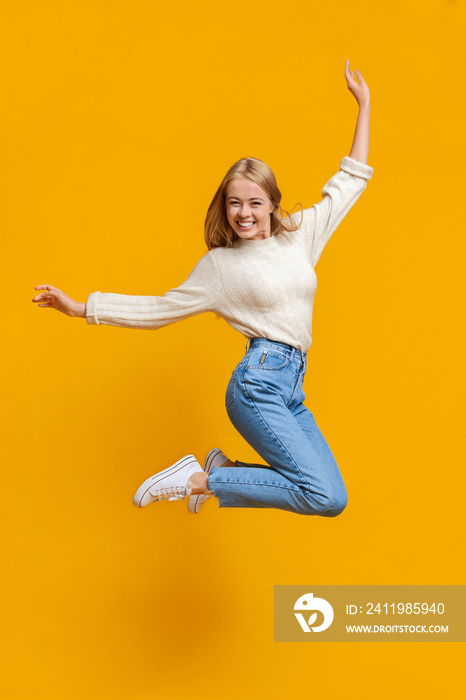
215, 458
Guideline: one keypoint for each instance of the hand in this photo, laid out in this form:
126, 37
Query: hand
54, 298
360, 89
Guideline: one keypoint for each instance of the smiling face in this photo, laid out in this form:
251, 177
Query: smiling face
248, 209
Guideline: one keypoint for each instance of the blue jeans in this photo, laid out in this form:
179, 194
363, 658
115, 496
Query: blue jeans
264, 401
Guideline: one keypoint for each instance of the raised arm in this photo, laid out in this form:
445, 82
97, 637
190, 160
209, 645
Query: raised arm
344, 188
360, 147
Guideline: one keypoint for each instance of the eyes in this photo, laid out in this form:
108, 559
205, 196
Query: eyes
233, 201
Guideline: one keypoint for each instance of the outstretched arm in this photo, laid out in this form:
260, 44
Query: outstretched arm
360, 147
200, 292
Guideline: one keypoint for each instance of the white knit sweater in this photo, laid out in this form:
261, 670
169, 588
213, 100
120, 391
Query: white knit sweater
262, 288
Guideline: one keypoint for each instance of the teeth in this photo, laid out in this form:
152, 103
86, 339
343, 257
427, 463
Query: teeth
247, 225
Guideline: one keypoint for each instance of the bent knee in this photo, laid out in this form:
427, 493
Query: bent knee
338, 506
316, 504
327, 506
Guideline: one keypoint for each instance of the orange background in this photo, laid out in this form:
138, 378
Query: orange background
119, 120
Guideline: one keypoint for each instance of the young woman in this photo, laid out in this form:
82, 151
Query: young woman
258, 275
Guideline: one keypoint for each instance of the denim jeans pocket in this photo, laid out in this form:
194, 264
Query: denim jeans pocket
264, 359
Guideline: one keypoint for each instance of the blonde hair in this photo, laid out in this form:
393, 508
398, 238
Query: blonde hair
217, 231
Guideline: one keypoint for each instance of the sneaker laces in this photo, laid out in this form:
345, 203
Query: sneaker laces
173, 493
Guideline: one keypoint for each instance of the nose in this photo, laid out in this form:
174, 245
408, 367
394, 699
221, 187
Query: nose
244, 211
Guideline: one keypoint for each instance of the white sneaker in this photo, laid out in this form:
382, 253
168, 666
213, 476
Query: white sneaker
170, 484
215, 458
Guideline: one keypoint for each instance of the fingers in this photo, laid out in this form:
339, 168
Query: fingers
49, 294
347, 69
40, 297
44, 296
46, 286
360, 78
350, 74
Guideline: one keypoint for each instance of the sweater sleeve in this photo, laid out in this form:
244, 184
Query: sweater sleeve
196, 295
338, 196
